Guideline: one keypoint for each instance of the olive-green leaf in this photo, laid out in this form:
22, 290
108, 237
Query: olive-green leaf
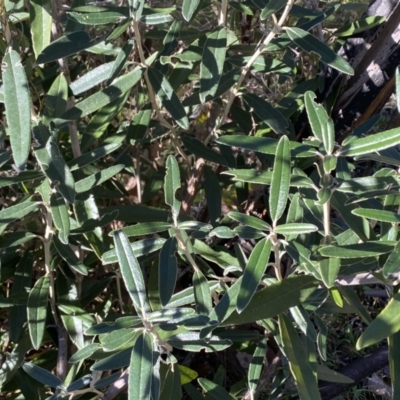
59, 212
212, 63
171, 185
189, 7
68, 255
84, 353
367, 249
253, 273
41, 21
256, 364
249, 220
305, 376
17, 211
202, 293
37, 310
66, 46
310, 43
141, 366
358, 26
386, 324
167, 270
168, 97
131, 273
268, 114
394, 357
280, 183
145, 228
213, 390
42, 375
392, 263
329, 269
98, 178
18, 107
371, 143
377, 215
295, 229
321, 124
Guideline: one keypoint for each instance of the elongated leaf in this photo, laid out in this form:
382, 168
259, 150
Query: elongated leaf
119, 323
280, 182
321, 124
256, 364
52, 163
92, 78
359, 26
42, 375
88, 158
270, 115
171, 185
66, 46
18, 107
250, 221
37, 310
141, 366
84, 353
371, 143
101, 98
131, 273
99, 18
310, 44
168, 268
56, 99
212, 63
299, 364
392, 264
68, 255
394, 357
168, 97
190, 341
329, 269
377, 215
295, 229
17, 211
367, 249
301, 318
117, 339
115, 361
253, 273
41, 20
145, 228
386, 324
202, 293
98, 178
189, 7
279, 296
213, 390
59, 212
272, 7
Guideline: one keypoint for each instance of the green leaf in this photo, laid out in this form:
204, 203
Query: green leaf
329, 269
52, 163
66, 46
84, 353
371, 143
115, 361
42, 375
131, 273
99, 18
212, 63
253, 273
367, 249
309, 43
301, 318
280, 182
156, 19
37, 310
189, 7
168, 269
17, 211
56, 99
202, 293
329, 375
122, 337
139, 124
250, 221
200, 150
190, 341
101, 98
141, 366
295, 229
168, 97
394, 357
59, 212
377, 215
279, 296
321, 124
16, 97
68, 255
171, 185
145, 228
392, 264
256, 365
268, 114
213, 390
386, 324
98, 178
272, 7
119, 323
305, 376
359, 26
41, 20
89, 158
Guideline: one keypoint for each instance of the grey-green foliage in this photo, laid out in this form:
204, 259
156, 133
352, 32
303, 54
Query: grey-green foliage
129, 265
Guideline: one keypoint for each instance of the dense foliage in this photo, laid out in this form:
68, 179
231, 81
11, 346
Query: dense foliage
159, 208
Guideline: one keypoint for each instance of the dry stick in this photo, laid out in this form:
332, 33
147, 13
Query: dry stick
223, 13
275, 30
117, 387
